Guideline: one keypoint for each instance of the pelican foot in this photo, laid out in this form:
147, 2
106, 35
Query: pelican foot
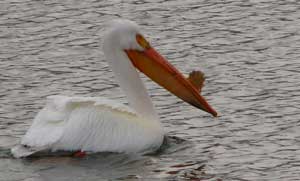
79, 154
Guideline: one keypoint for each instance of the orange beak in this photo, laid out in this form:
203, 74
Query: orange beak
157, 68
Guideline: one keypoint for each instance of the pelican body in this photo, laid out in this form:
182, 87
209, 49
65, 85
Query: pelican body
95, 124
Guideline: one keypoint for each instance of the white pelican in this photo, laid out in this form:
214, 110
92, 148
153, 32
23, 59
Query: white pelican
94, 124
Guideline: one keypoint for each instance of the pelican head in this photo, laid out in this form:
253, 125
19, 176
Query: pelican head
125, 37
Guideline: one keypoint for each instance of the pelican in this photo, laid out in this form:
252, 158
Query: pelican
96, 124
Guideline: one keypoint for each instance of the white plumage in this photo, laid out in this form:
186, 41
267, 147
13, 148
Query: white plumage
89, 124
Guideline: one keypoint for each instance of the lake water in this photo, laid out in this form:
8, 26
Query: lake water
249, 51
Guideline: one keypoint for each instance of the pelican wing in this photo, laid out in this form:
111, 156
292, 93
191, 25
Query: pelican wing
88, 124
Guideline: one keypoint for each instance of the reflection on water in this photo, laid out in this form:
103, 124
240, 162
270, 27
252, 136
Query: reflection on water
249, 50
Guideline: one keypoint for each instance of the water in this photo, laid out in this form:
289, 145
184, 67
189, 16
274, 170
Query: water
249, 51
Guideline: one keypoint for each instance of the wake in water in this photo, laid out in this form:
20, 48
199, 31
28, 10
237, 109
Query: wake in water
170, 144
107, 162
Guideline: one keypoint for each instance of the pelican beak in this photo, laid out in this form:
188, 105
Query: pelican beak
157, 68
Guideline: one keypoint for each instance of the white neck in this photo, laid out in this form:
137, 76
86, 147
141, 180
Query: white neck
130, 82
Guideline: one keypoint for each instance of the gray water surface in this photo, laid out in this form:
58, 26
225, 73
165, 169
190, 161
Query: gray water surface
249, 51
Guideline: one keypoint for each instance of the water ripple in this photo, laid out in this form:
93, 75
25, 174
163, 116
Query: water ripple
249, 51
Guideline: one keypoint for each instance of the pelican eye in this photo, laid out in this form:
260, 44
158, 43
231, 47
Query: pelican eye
142, 41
